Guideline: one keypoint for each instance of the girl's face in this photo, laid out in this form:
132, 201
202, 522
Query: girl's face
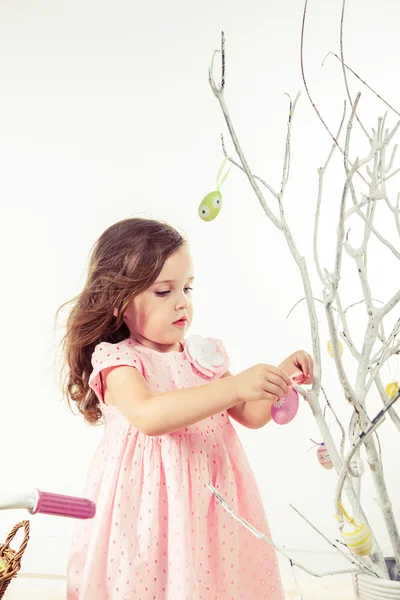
160, 316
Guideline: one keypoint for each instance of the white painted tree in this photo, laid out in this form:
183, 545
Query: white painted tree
364, 186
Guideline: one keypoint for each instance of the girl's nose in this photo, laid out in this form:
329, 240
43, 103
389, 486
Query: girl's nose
183, 302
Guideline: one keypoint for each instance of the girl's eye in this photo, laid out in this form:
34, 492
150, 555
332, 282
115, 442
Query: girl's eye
162, 294
166, 292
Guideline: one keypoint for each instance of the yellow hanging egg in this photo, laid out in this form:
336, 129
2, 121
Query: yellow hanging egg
330, 348
358, 538
210, 206
2, 565
391, 390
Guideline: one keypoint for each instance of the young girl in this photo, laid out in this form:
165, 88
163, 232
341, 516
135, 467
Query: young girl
166, 401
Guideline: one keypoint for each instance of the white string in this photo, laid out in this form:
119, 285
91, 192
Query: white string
393, 377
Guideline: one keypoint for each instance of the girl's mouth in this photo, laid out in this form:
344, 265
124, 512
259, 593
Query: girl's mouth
181, 322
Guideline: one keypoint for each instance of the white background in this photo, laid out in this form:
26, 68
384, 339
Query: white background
106, 113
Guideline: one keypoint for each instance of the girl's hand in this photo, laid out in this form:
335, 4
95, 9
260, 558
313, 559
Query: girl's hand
261, 382
301, 366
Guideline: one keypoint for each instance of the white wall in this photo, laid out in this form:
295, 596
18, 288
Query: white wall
106, 113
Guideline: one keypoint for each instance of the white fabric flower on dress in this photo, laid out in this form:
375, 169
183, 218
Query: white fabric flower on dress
205, 355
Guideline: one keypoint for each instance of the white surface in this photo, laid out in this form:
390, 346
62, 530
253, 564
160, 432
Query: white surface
105, 113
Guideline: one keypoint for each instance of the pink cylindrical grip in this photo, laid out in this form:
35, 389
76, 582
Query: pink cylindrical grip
64, 506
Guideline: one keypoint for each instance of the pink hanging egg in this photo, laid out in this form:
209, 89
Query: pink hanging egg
323, 457
285, 409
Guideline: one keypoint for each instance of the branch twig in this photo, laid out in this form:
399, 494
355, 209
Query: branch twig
258, 534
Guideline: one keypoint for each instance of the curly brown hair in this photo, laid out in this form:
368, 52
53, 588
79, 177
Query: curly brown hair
126, 260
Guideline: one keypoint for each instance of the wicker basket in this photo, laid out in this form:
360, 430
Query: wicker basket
12, 558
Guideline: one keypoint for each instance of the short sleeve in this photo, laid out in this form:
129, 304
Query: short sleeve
108, 355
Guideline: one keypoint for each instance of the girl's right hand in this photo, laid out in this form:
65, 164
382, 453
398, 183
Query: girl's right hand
261, 382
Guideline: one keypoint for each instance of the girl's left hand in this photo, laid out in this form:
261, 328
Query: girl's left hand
299, 361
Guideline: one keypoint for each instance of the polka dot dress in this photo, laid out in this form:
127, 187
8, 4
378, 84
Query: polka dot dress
159, 533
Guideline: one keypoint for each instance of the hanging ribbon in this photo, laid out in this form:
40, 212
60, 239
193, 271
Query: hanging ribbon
211, 204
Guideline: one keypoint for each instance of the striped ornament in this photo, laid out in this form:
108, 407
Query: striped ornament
391, 390
323, 457
357, 537
330, 348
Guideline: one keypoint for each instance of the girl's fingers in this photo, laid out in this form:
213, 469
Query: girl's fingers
309, 370
304, 363
283, 376
274, 389
280, 373
296, 376
270, 397
283, 383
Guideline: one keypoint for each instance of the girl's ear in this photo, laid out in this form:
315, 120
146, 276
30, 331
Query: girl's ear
115, 313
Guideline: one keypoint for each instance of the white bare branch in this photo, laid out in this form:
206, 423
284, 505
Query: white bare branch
365, 189
349, 557
281, 551
362, 81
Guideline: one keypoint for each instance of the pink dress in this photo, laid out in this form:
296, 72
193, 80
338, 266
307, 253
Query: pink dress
159, 533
